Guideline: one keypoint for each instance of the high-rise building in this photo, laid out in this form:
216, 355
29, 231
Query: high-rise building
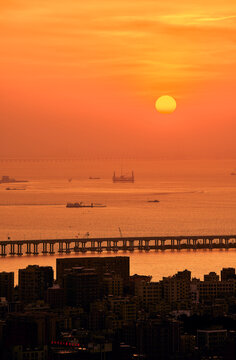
212, 277
135, 279
177, 287
55, 297
124, 308
148, 292
33, 282
81, 287
118, 264
227, 274
213, 289
7, 285
113, 285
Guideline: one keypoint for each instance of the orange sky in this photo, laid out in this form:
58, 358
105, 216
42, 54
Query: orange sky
80, 78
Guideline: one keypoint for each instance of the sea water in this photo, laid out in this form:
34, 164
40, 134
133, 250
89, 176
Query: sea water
195, 198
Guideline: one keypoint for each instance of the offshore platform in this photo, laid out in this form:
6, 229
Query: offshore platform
123, 178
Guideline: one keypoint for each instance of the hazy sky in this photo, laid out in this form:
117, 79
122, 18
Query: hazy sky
80, 78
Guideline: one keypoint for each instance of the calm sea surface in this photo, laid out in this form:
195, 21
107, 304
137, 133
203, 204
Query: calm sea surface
196, 198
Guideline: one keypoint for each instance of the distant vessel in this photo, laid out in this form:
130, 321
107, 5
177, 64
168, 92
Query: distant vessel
154, 201
6, 179
233, 173
70, 179
94, 178
8, 188
82, 205
123, 178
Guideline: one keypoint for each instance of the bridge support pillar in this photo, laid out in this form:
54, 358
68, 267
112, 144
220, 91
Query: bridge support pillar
12, 252
93, 246
68, 248
178, 244
156, 244
115, 246
60, 250
147, 247
226, 243
99, 247
51, 249
108, 245
162, 244
19, 249
124, 244
84, 246
3, 250
45, 248
131, 245
140, 244
35, 249
28, 251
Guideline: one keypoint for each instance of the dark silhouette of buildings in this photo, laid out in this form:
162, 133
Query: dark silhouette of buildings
7, 285
100, 312
82, 287
33, 282
158, 338
119, 265
55, 297
227, 274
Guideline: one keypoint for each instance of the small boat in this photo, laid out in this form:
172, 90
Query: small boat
233, 173
154, 201
94, 178
82, 205
70, 179
7, 179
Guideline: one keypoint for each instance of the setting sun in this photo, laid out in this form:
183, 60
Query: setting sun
165, 104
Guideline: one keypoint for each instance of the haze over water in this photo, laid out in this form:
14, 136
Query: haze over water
196, 198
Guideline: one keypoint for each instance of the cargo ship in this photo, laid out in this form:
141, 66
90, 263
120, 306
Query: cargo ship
123, 178
6, 179
82, 205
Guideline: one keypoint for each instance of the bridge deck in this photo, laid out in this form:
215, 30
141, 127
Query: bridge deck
115, 239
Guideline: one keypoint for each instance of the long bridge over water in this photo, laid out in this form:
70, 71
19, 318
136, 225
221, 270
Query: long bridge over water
114, 244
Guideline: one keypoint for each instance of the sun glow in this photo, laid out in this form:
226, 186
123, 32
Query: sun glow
165, 104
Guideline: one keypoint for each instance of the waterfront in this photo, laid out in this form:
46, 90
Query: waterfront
195, 198
156, 264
